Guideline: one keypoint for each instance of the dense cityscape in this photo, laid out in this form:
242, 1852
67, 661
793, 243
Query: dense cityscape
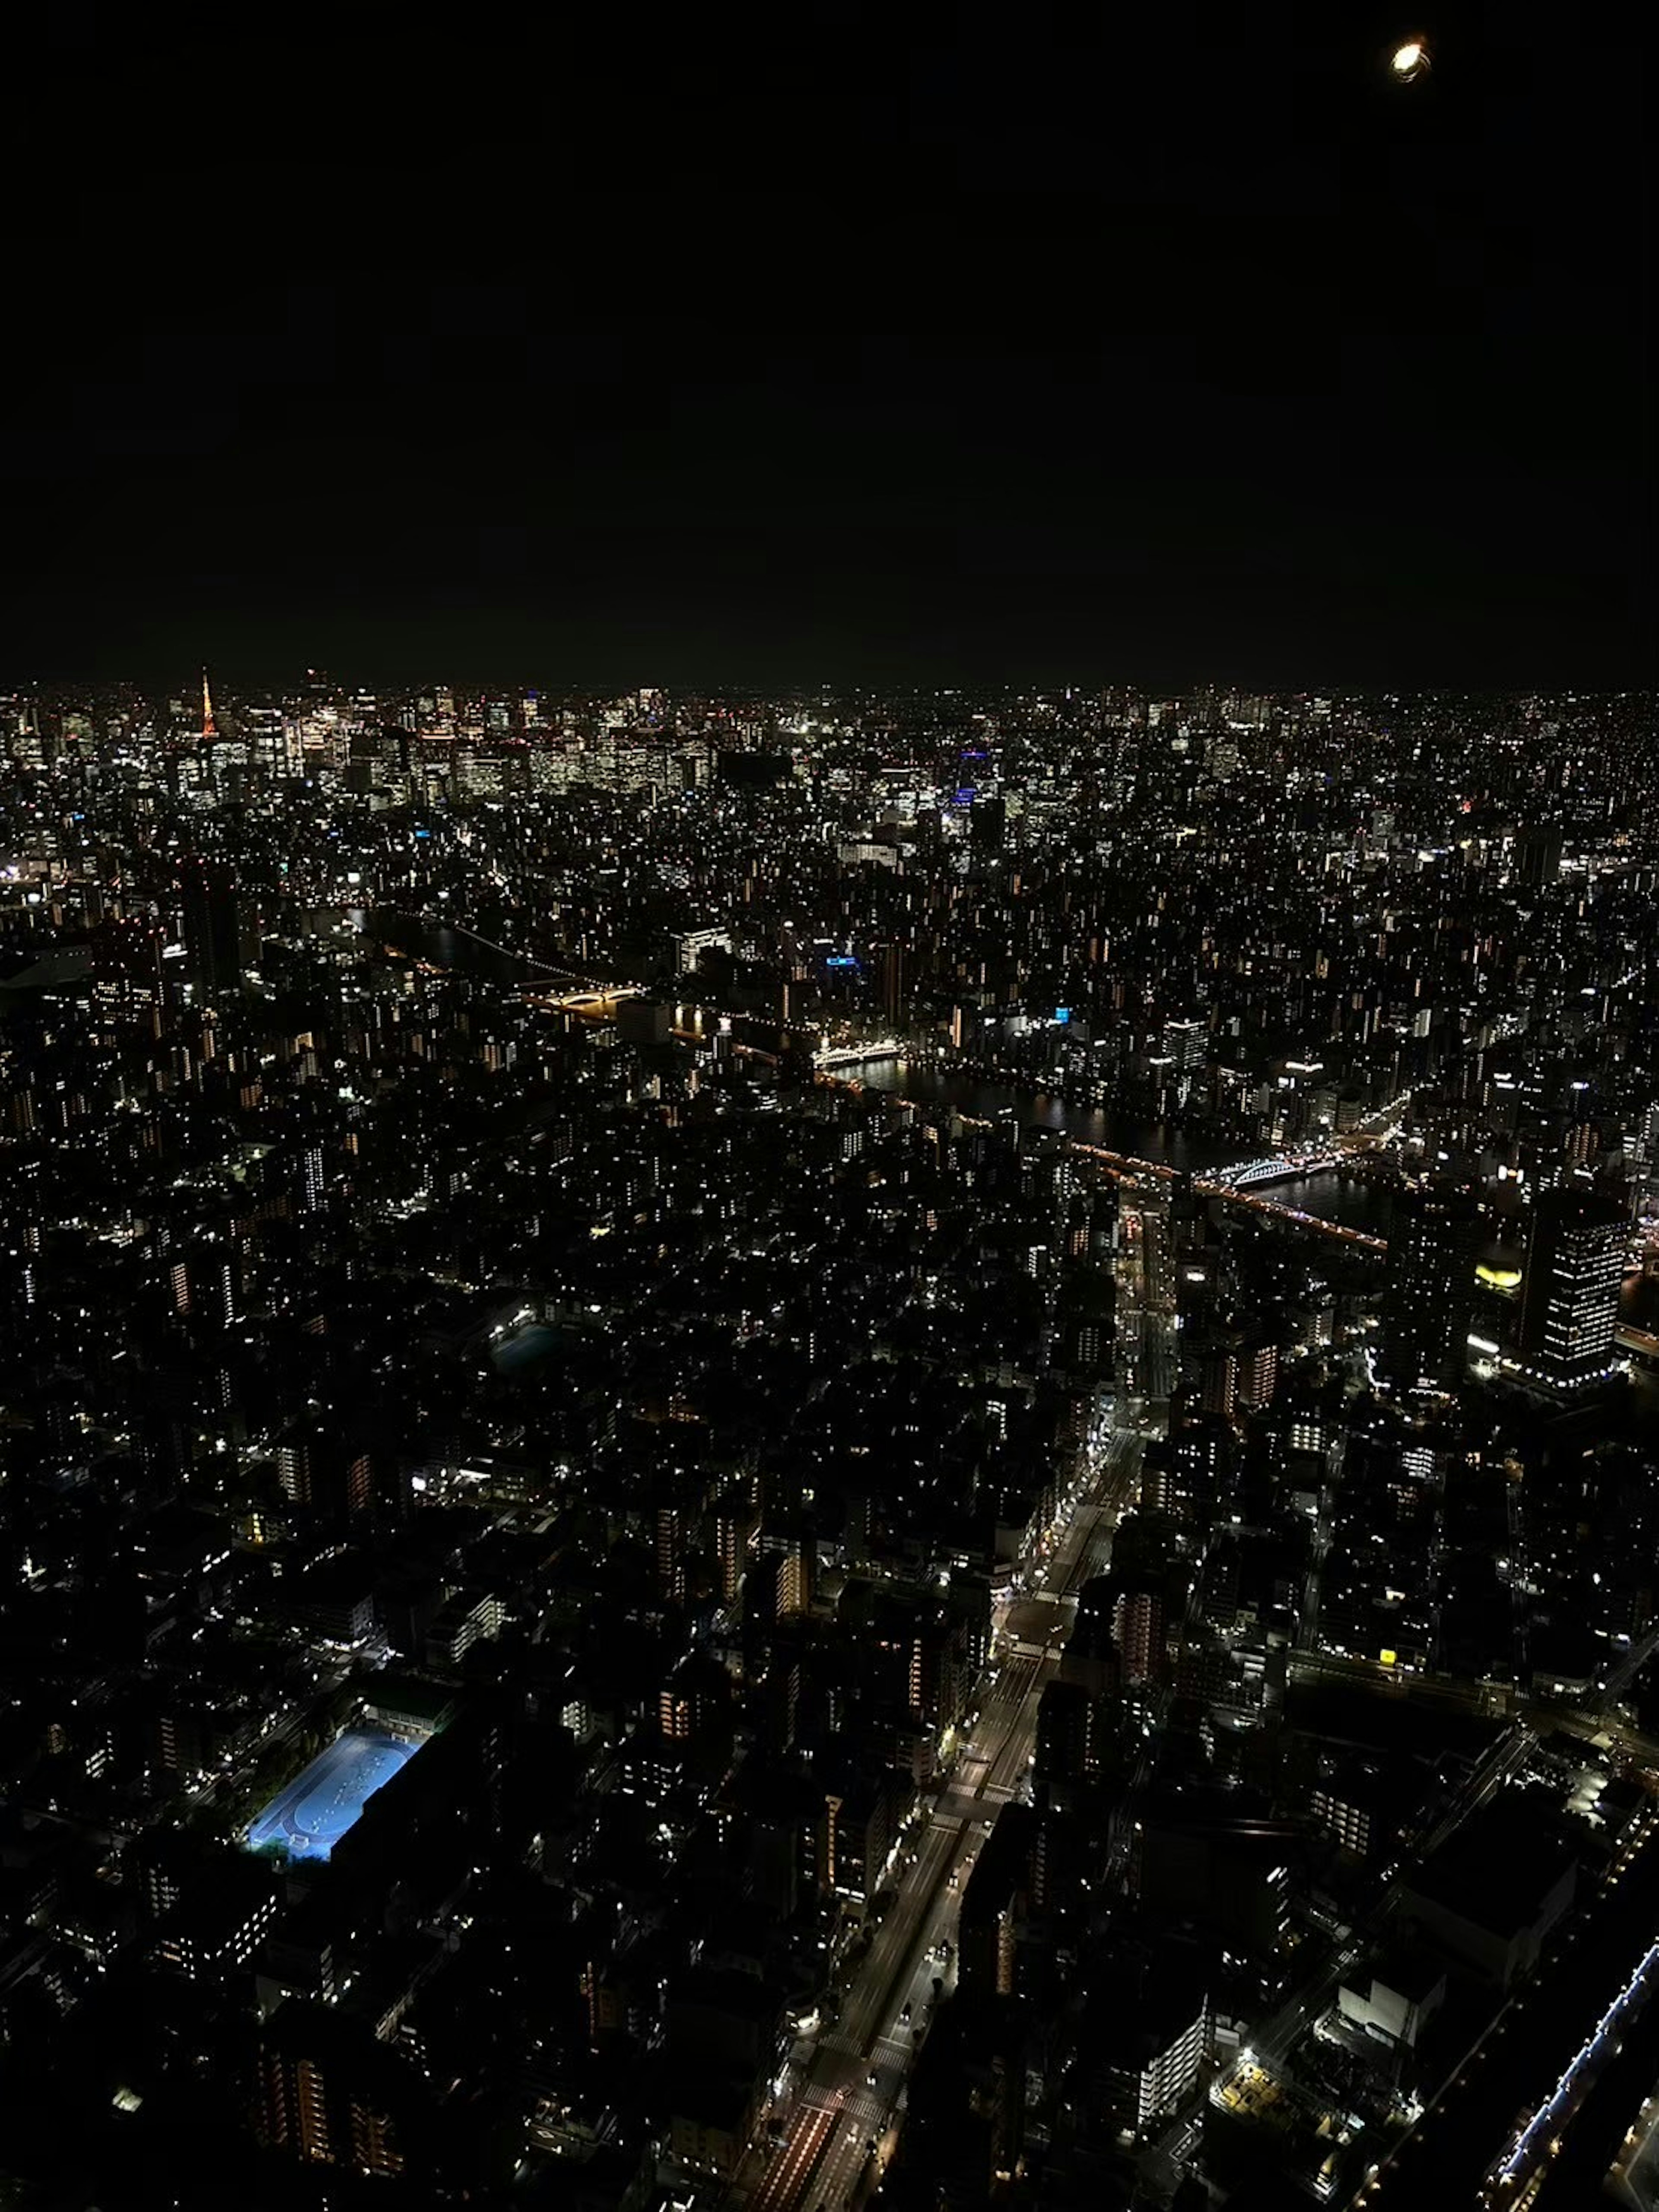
852, 1448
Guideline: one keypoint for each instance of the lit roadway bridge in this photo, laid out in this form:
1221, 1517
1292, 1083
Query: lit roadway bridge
597, 1002
853, 1055
1217, 1187
541, 975
1279, 1167
832, 2115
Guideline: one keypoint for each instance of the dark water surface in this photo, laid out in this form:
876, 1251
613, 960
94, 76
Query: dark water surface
1357, 1205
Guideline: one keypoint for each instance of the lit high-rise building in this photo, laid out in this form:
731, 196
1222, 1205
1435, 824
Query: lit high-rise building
1186, 1043
329, 2094
1570, 1300
1430, 1299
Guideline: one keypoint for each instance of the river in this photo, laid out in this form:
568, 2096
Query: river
448, 946
1357, 1205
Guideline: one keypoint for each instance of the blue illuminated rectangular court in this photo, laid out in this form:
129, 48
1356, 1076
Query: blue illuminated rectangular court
306, 1818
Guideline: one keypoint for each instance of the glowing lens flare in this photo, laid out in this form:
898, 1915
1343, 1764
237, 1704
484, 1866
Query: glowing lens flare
1410, 61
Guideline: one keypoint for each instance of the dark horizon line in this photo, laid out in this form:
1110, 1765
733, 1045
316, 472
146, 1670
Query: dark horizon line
190, 677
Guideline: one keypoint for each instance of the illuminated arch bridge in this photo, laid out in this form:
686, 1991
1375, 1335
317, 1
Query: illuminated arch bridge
1280, 1167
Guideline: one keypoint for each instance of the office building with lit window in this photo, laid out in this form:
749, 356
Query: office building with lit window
1569, 1298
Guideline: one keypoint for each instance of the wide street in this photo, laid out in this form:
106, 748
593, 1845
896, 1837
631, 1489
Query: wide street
837, 2129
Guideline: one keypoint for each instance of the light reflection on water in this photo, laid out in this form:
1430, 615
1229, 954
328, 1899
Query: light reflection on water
1357, 1205
1365, 1206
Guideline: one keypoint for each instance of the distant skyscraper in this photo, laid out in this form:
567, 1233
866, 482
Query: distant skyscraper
1570, 1301
1430, 1297
1538, 856
988, 824
892, 983
217, 942
1187, 1043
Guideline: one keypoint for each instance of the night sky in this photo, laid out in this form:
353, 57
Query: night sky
1018, 344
